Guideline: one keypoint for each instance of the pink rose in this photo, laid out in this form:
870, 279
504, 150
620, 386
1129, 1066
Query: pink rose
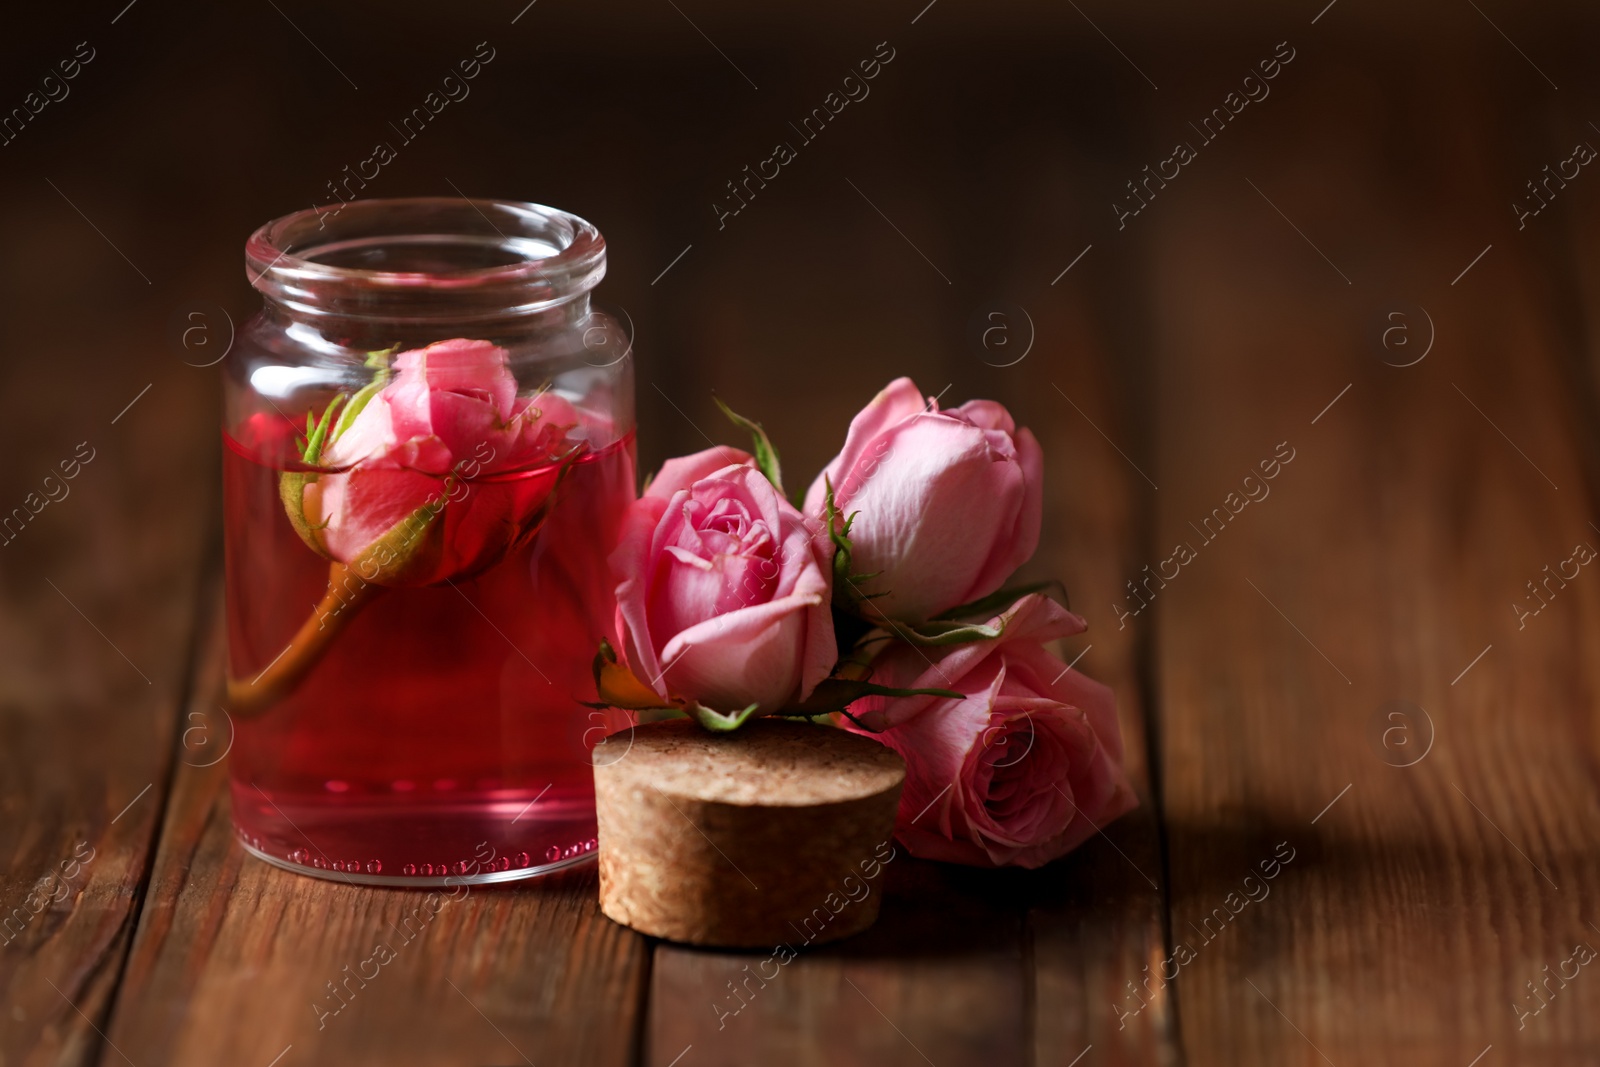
947, 503
1019, 771
724, 588
407, 498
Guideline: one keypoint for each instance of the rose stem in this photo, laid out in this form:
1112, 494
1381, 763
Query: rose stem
346, 593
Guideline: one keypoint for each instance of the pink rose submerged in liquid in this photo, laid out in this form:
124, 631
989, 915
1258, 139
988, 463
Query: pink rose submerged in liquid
724, 588
947, 504
1020, 770
408, 497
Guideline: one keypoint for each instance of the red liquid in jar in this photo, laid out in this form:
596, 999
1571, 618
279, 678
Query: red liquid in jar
442, 733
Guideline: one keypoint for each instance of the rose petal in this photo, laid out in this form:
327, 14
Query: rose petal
680, 473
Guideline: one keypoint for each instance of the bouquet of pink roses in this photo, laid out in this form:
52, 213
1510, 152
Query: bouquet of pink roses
881, 606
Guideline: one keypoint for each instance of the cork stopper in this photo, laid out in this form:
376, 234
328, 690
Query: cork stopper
774, 834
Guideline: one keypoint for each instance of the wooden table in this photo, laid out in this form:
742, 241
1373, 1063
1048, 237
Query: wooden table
1347, 676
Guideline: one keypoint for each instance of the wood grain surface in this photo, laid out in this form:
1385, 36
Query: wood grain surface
1366, 748
1342, 669
99, 587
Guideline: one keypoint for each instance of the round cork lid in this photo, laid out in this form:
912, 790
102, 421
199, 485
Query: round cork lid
767, 762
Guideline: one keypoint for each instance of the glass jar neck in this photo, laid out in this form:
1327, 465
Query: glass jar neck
427, 266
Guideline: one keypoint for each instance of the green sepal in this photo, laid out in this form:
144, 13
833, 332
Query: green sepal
618, 687
364, 395
846, 579
317, 431
718, 722
844, 587
389, 559
292, 484
994, 603
848, 628
766, 455
405, 548
292, 491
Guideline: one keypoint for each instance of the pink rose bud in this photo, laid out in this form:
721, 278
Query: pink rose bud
947, 503
1023, 768
408, 503
724, 587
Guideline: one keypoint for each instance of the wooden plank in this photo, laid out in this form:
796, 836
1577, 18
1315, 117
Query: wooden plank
940, 975
97, 603
1096, 918
1383, 566
1566, 230
233, 957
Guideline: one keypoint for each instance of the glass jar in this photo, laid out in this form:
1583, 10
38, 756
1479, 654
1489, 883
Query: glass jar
428, 452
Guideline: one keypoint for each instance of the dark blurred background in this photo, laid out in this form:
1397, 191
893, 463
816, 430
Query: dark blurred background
987, 156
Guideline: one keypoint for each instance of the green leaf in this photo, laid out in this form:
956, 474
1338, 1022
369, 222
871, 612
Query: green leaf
766, 455
836, 694
872, 689
718, 722
948, 633
995, 602
813, 716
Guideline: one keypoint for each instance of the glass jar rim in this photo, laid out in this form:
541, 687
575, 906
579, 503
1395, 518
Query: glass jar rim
552, 257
